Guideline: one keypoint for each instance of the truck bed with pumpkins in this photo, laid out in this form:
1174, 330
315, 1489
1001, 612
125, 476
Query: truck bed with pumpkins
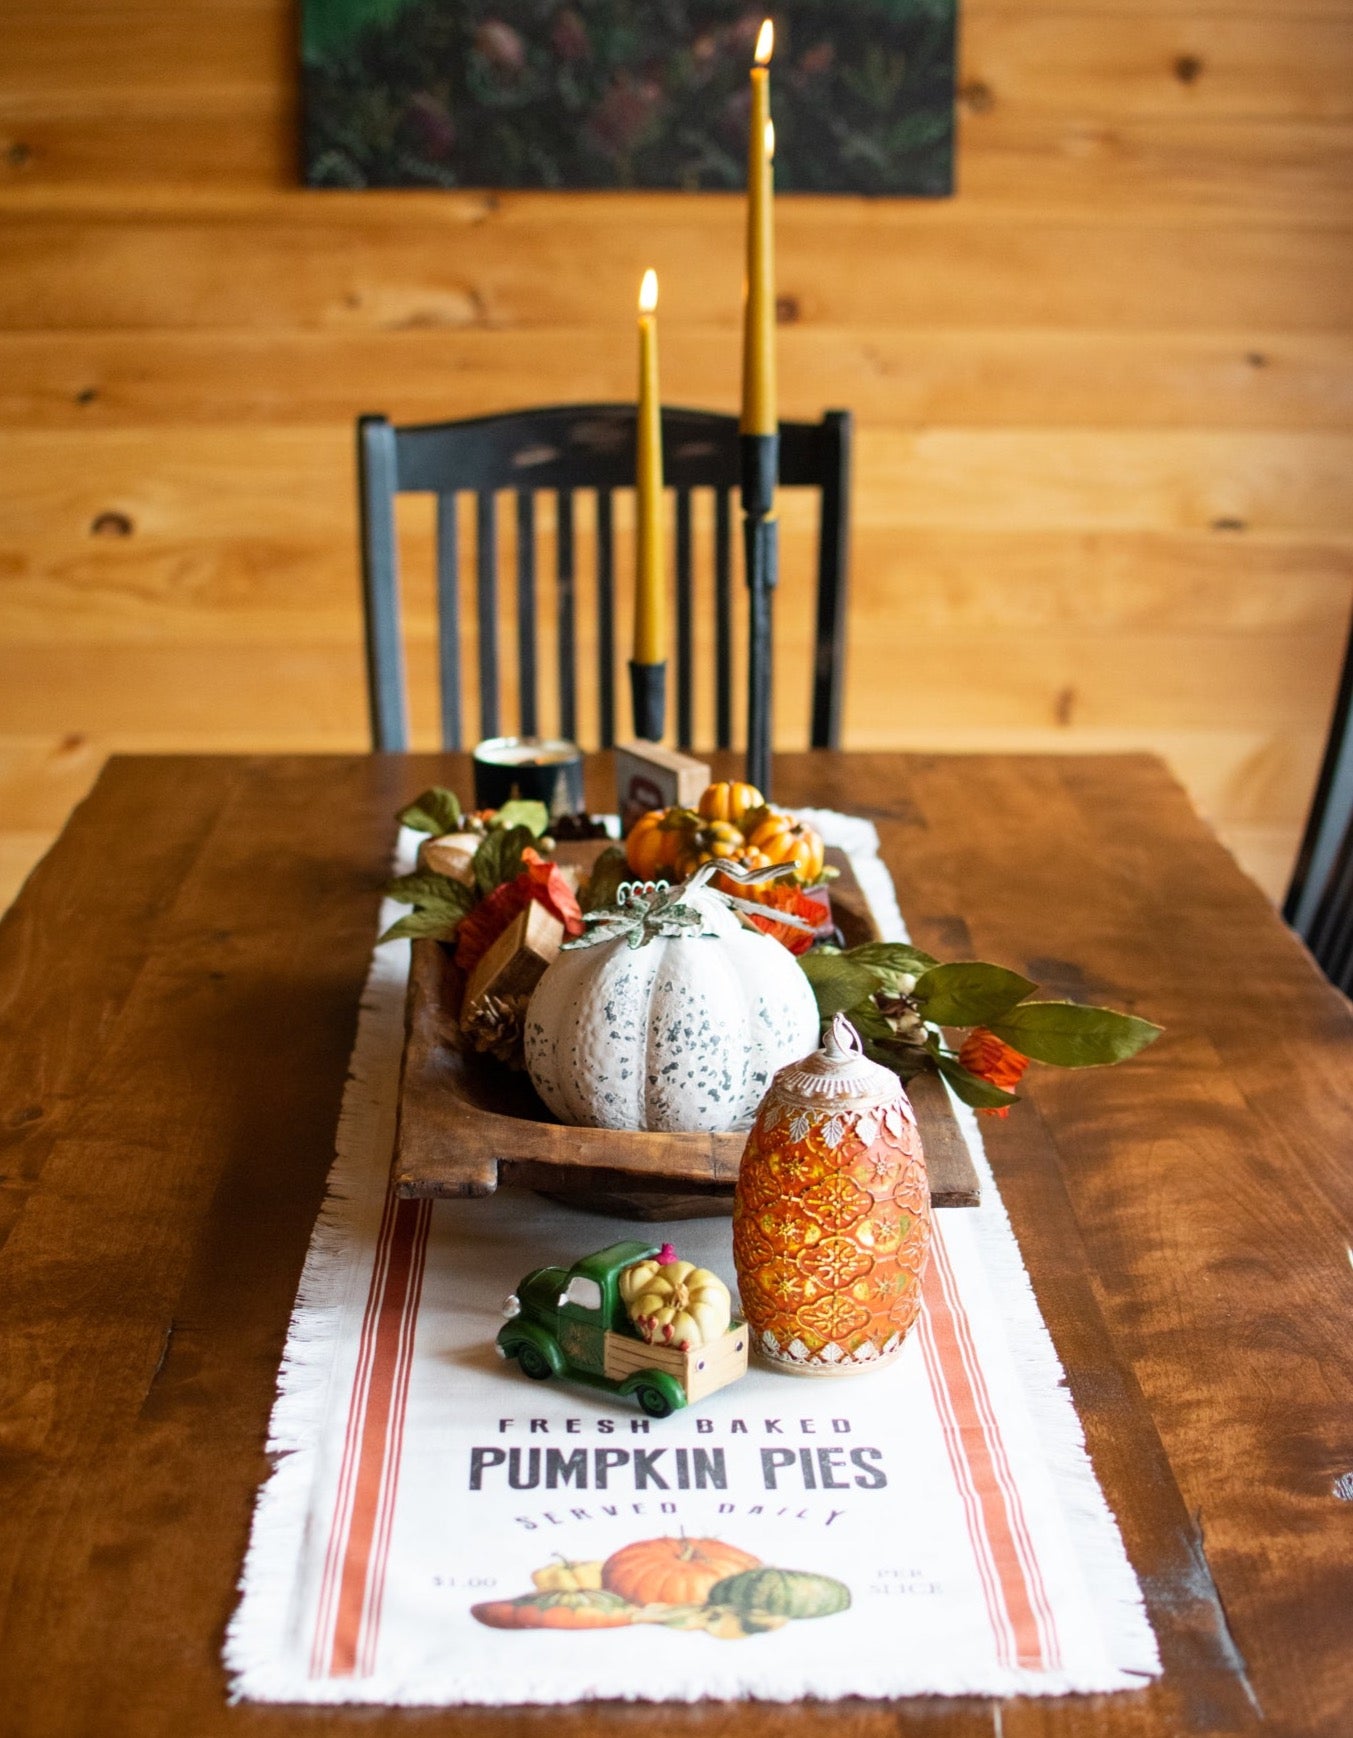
630, 1319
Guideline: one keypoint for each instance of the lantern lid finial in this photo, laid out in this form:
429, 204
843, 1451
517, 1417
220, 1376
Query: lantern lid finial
839, 1072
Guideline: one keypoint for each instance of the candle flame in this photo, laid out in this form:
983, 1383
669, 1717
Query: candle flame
648, 292
765, 42
770, 140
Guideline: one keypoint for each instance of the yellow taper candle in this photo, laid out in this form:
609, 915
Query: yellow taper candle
759, 414
650, 579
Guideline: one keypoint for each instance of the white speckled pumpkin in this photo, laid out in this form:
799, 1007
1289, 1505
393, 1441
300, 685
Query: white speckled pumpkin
682, 1032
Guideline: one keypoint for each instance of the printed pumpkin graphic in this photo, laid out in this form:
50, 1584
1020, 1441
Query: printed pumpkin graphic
681, 1584
672, 1571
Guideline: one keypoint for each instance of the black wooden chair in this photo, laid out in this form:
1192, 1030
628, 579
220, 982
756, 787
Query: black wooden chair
1319, 903
566, 449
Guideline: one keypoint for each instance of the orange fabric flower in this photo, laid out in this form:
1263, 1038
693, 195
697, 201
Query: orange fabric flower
784, 898
992, 1059
540, 879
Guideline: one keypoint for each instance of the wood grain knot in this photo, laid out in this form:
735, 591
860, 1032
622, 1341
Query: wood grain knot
111, 525
976, 97
19, 155
1188, 69
1229, 524
787, 311
87, 395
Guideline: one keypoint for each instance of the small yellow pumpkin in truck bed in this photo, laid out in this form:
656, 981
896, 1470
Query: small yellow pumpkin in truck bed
675, 1303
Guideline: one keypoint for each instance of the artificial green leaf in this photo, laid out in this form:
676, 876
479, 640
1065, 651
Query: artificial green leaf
869, 1022
436, 812
426, 887
608, 872
521, 812
906, 1064
838, 983
971, 1088
498, 858
969, 993
1069, 1035
896, 962
438, 922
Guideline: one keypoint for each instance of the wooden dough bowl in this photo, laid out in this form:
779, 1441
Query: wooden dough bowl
467, 1124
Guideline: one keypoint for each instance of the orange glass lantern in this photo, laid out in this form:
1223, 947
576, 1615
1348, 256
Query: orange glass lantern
831, 1219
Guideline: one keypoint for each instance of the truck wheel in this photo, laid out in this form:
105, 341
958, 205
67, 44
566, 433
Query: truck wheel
534, 1363
654, 1402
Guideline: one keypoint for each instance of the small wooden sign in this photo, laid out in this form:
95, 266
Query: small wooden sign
513, 966
649, 776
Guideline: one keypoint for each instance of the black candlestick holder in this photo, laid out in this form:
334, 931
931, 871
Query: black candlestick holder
761, 542
648, 699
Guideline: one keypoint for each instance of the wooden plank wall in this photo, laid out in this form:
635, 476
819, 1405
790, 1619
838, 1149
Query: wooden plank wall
1105, 395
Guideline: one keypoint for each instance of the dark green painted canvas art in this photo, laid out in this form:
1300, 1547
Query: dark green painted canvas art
626, 93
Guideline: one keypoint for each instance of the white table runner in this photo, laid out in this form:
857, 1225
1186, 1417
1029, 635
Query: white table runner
420, 1477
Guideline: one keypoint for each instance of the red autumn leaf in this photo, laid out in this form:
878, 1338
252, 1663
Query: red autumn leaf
541, 880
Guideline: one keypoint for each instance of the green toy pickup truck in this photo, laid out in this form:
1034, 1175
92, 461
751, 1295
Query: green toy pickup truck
571, 1322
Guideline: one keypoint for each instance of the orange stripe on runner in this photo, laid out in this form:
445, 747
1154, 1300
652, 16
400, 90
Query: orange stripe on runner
371, 1613
995, 1520
997, 1617
381, 1428
348, 1463
1030, 1568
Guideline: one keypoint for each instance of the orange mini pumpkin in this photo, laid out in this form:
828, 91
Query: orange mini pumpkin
730, 801
653, 842
672, 1571
785, 840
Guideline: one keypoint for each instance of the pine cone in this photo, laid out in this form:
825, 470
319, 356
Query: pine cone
494, 1027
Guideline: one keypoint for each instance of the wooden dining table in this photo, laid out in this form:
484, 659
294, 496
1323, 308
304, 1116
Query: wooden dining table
179, 986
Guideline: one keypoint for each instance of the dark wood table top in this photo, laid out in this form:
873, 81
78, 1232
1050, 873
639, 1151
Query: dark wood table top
178, 997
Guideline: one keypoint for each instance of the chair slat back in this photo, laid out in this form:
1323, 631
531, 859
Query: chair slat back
685, 621
1319, 902
486, 606
567, 449
566, 610
448, 619
526, 613
723, 618
606, 614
